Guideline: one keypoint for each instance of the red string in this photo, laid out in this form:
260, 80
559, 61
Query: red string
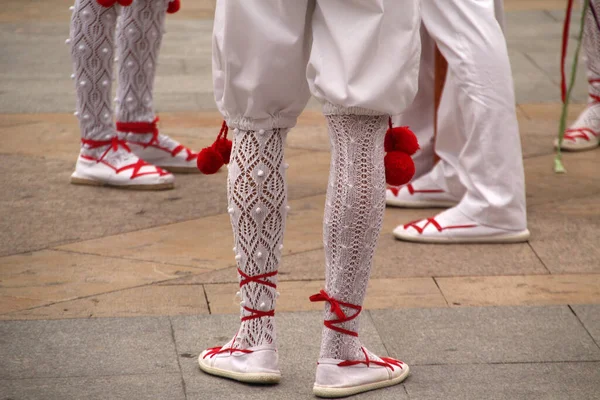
142, 128
114, 144
261, 280
337, 310
565, 45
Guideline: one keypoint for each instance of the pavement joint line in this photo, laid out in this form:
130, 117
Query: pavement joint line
177, 357
549, 14
583, 326
560, 201
440, 290
370, 316
539, 258
94, 376
85, 297
507, 363
206, 298
543, 71
520, 107
119, 258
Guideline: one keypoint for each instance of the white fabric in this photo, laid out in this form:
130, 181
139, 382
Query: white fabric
354, 209
257, 204
139, 36
263, 54
478, 135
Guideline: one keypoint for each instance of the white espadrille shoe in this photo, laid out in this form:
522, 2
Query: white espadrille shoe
252, 365
451, 226
584, 134
342, 378
409, 196
111, 163
155, 148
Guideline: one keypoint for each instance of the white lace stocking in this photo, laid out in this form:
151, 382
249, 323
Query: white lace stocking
257, 205
92, 52
353, 219
139, 33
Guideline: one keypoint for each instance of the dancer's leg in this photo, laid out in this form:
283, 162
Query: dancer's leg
139, 37
358, 96
104, 158
260, 112
484, 146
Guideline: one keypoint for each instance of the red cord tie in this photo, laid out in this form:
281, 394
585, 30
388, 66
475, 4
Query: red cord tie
110, 3
337, 310
385, 362
432, 221
260, 280
141, 128
113, 144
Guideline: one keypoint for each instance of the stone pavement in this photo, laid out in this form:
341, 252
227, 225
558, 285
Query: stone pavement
112, 294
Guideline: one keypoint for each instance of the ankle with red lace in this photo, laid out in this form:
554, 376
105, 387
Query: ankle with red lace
257, 364
340, 378
147, 143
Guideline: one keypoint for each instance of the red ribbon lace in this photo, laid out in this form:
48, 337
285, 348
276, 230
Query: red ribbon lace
337, 310
432, 221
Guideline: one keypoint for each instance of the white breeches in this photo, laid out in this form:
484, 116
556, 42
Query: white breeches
478, 134
355, 56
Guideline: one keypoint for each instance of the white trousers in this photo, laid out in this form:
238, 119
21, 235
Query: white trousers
355, 56
478, 134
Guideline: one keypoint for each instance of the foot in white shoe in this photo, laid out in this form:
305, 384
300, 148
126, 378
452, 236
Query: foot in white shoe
426, 197
252, 365
584, 134
341, 378
111, 163
148, 144
451, 226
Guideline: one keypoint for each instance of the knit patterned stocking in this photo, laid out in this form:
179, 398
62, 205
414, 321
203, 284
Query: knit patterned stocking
92, 52
353, 219
257, 205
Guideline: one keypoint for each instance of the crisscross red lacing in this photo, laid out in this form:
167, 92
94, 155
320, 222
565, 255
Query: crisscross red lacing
432, 221
246, 279
584, 133
412, 190
146, 128
385, 361
114, 144
337, 310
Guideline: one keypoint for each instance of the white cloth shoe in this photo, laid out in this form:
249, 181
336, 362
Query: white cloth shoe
157, 149
451, 226
419, 196
111, 163
339, 378
585, 132
252, 365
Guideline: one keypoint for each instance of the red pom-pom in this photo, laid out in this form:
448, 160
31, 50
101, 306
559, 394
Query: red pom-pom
399, 168
106, 3
223, 146
401, 138
125, 3
209, 161
174, 6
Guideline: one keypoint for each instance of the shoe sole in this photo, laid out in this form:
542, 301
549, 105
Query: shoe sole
576, 149
256, 378
331, 393
421, 204
91, 182
519, 237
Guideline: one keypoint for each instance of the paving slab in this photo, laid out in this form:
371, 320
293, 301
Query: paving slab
138, 387
86, 348
521, 290
589, 315
134, 302
485, 335
299, 342
206, 242
559, 381
564, 233
44, 277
